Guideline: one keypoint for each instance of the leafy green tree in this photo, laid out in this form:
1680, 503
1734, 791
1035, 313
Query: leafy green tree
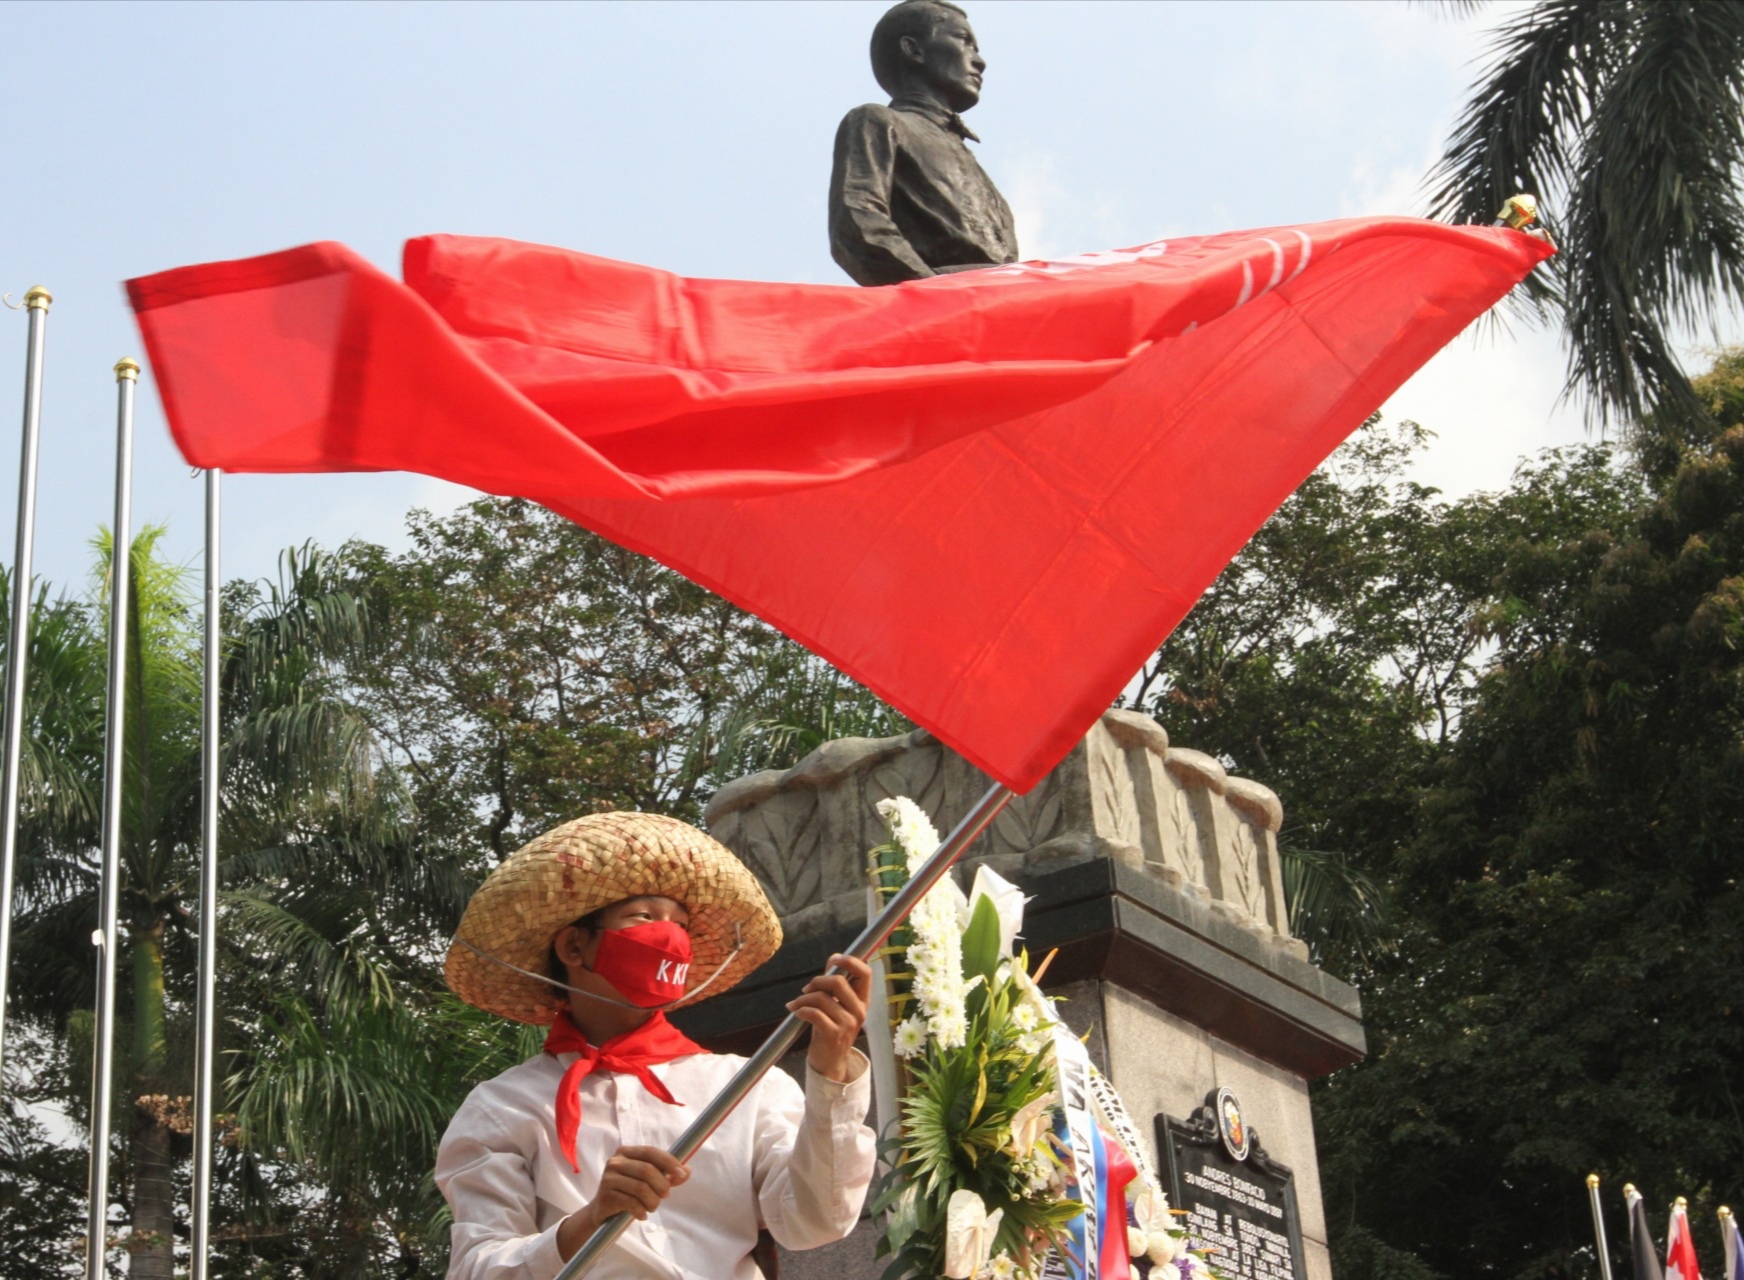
528, 671
1626, 119
1563, 996
1333, 658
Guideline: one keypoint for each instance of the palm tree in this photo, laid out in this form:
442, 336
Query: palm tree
59, 855
782, 703
327, 919
1624, 118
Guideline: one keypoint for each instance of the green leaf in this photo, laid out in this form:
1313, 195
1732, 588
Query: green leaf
981, 943
904, 1218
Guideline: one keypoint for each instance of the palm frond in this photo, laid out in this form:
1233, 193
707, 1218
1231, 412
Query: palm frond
1654, 238
368, 1094
1626, 119
1519, 131
1342, 914
312, 943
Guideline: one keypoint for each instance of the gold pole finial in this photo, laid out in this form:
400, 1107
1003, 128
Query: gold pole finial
127, 367
1519, 212
1680, 1203
1592, 1179
1724, 1213
37, 298
1628, 1188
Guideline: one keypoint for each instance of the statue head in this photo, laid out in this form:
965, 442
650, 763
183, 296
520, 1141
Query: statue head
927, 47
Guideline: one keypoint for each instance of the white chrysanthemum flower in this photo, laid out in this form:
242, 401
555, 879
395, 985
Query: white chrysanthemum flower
1024, 1018
937, 912
951, 1033
949, 1026
935, 955
1001, 1267
931, 984
909, 827
910, 1037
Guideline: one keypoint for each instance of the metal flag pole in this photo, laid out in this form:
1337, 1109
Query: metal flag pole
1599, 1227
206, 1010
114, 778
36, 303
1729, 1238
757, 1066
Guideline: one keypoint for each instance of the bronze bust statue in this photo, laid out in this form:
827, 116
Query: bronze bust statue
907, 199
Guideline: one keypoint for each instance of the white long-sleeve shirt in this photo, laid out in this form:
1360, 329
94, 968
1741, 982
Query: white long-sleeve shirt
797, 1162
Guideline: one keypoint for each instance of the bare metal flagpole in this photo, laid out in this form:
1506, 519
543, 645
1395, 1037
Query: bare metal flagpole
36, 304
1599, 1227
757, 1066
206, 1010
1729, 1237
114, 777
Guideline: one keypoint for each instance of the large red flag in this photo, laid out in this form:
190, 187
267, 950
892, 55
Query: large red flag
988, 496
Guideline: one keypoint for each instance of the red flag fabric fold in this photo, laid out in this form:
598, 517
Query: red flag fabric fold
988, 496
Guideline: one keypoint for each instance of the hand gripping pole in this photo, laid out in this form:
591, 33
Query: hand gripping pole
757, 1066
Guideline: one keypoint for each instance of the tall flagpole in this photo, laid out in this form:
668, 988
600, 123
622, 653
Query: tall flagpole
206, 1011
36, 303
757, 1066
37, 300
1599, 1227
114, 778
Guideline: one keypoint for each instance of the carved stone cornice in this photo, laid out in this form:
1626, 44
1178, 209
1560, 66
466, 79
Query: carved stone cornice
1148, 864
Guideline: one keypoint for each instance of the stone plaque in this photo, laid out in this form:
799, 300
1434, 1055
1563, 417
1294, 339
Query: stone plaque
1240, 1202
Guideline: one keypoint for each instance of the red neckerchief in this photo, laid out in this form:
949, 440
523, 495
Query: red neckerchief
632, 1053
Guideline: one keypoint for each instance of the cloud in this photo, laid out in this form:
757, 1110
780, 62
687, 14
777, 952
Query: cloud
1492, 398
1034, 192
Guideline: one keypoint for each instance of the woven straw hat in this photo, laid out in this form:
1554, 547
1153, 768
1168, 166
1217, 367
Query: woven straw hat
591, 863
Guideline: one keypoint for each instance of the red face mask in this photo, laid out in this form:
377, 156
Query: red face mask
647, 963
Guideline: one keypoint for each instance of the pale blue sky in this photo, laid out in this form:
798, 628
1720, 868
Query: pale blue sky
691, 136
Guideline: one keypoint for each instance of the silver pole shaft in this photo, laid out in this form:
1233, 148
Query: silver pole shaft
1599, 1227
114, 779
757, 1066
36, 302
206, 1010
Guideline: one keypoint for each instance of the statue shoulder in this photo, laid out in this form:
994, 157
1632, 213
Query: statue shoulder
872, 115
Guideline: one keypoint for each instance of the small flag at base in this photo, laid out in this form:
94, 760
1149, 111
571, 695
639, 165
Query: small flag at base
1680, 1250
1734, 1244
1641, 1250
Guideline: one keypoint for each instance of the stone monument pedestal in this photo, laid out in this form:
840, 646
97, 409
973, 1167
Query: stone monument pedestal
1156, 876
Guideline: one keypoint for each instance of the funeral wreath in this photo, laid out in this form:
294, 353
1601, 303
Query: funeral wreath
1011, 1158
